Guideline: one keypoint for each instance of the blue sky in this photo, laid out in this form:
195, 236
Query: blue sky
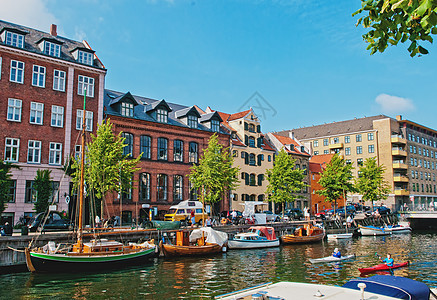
305, 59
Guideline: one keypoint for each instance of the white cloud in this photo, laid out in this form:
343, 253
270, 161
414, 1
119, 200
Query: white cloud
394, 104
79, 34
30, 13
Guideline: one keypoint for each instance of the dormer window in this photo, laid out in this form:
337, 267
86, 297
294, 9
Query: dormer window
215, 125
127, 109
52, 49
162, 115
192, 121
85, 57
14, 39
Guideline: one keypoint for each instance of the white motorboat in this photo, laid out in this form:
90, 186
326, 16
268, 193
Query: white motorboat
256, 237
397, 229
330, 259
339, 236
373, 231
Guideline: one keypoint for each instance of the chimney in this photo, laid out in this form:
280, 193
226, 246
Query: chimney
291, 135
53, 28
398, 117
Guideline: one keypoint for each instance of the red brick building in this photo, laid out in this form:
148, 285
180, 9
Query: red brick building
171, 138
317, 165
43, 77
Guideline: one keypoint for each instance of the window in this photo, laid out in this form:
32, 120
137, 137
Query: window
129, 143
252, 180
325, 151
162, 115
12, 191
88, 120
234, 153
193, 152
178, 150
55, 153
57, 116
316, 152
85, 83
145, 146
177, 188
358, 138
193, 191
34, 152
77, 152
370, 136
420, 151
336, 140
269, 158
161, 188
251, 140
14, 110
192, 121
12, 147
347, 139
17, 71
347, 151
162, 148
30, 196
14, 39
252, 161
371, 148
316, 143
36, 113
127, 109
39, 76
348, 161
260, 179
359, 150
59, 80
144, 189
52, 49
215, 125
359, 161
85, 58
325, 142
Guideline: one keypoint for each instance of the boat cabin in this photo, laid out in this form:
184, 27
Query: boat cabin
102, 245
308, 230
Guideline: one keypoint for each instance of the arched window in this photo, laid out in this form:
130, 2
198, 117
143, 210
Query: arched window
252, 161
252, 179
144, 189
162, 148
145, 146
161, 187
178, 188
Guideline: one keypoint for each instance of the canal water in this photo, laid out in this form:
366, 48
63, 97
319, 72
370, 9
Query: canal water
193, 278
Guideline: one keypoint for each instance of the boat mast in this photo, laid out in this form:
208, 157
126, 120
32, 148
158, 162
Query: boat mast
82, 177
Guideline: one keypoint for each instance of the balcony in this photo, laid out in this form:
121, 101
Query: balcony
400, 178
401, 192
336, 146
399, 164
397, 139
398, 152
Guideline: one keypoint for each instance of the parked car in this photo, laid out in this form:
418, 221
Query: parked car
294, 214
54, 222
271, 217
382, 210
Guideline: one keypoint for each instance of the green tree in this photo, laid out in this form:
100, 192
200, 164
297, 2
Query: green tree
214, 175
5, 183
43, 188
394, 21
284, 180
371, 183
106, 168
336, 180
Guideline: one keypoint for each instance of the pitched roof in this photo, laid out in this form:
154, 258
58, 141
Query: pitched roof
322, 158
239, 115
186, 111
315, 167
285, 140
335, 128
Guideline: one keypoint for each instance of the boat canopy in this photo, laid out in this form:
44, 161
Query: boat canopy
212, 236
392, 286
268, 232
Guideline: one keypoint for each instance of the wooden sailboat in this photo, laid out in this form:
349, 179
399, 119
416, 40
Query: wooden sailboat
95, 255
305, 234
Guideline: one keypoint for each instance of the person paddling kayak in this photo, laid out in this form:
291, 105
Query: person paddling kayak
388, 261
336, 253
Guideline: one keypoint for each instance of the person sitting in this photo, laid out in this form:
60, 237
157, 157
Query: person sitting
388, 260
336, 253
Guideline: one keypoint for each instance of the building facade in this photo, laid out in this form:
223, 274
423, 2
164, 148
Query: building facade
43, 79
170, 138
300, 154
317, 166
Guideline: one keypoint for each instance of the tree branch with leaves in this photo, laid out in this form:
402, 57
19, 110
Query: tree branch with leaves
5, 182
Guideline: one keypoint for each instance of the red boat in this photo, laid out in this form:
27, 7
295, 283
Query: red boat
382, 267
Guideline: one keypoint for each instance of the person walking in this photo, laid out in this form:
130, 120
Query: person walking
193, 218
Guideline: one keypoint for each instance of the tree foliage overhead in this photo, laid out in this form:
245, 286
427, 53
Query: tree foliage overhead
43, 187
214, 175
336, 179
5, 183
394, 21
106, 168
284, 180
371, 183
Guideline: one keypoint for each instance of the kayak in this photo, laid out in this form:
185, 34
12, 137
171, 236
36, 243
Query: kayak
382, 267
331, 259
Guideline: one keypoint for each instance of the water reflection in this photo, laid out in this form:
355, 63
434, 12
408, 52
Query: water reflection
226, 272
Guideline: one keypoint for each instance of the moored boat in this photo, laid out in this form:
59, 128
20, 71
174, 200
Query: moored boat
372, 231
382, 267
339, 236
330, 259
398, 229
304, 234
202, 241
256, 237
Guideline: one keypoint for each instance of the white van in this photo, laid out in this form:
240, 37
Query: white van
182, 211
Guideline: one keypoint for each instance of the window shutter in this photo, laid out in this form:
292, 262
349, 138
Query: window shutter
247, 178
259, 159
258, 128
259, 142
246, 126
246, 159
246, 140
